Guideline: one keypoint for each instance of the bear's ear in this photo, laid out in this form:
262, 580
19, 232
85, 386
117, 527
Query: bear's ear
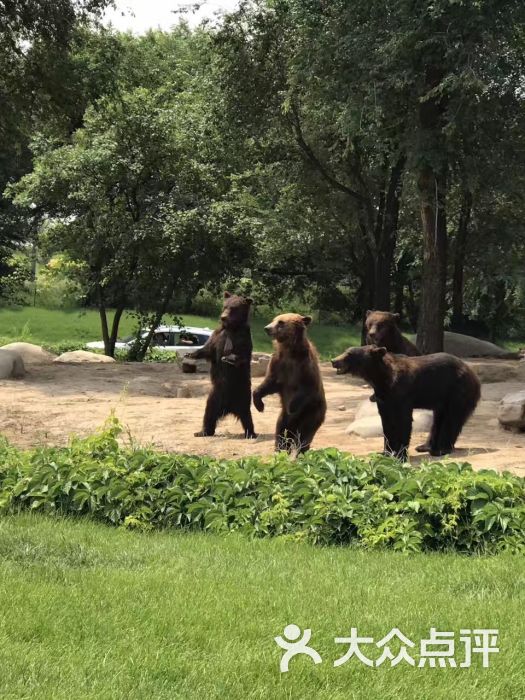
249, 301
369, 311
380, 352
396, 316
227, 295
307, 320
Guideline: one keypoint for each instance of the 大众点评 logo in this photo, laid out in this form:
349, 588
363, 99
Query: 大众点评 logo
438, 651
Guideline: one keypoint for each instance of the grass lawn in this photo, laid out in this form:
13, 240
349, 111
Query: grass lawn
93, 612
50, 327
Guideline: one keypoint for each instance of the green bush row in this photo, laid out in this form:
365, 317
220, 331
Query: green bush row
326, 496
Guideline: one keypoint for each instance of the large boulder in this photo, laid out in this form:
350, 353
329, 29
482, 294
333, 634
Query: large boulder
511, 411
468, 346
11, 365
367, 421
83, 356
30, 354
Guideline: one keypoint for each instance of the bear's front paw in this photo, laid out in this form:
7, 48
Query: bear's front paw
258, 402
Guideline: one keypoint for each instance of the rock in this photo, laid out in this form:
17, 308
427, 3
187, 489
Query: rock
367, 421
342, 407
30, 354
511, 411
468, 346
260, 362
190, 366
500, 371
82, 356
184, 392
11, 365
498, 390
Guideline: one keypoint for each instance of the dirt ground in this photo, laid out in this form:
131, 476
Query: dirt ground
54, 401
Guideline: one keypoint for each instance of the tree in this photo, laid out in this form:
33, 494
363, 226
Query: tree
132, 194
33, 33
374, 94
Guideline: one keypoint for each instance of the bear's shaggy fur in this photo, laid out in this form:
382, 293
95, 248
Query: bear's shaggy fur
294, 374
383, 332
229, 350
440, 382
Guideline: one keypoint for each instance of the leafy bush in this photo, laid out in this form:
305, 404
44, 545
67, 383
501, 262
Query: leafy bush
326, 496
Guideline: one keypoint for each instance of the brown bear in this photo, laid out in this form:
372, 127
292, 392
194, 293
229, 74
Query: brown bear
382, 331
229, 350
294, 374
440, 382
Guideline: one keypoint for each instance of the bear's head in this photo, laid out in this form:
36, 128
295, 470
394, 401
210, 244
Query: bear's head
362, 362
380, 326
235, 311
288, 329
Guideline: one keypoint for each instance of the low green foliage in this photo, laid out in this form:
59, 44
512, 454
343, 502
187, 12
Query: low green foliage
326, 497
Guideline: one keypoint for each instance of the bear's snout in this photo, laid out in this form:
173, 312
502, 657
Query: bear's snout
269, 329
338, 364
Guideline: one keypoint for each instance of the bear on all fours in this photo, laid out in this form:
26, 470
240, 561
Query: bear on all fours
440, 382
229, 350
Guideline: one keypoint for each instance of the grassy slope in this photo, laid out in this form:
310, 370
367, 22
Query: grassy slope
47, 327
91, 612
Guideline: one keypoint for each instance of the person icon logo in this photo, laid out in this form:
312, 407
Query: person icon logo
295, 644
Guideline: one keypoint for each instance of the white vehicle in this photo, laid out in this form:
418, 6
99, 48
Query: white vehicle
181, 340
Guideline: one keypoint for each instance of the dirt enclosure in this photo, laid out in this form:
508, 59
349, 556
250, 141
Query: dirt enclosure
57, 400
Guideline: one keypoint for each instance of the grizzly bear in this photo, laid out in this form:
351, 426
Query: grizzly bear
440, 382
294, 374
229, 350
382, 331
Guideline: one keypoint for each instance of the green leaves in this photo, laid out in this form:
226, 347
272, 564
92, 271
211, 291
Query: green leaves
326, 497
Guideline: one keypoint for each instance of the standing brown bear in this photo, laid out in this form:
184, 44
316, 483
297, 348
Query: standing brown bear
229, 350
440, 382
294, 374
382, 331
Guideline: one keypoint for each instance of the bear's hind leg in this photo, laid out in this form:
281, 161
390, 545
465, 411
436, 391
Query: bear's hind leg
432, 439
211, 415
247, 424
454, 418
283, 439
397, 429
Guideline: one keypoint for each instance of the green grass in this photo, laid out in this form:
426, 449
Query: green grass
53, 327
93, 612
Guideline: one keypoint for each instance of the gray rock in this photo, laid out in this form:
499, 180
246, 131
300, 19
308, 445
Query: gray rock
468, 346
30, 354
11, 365
367, 421
190, 366
260, 362
83, 356
511, 411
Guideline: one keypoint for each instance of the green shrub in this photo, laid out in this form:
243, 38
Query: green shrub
325, 496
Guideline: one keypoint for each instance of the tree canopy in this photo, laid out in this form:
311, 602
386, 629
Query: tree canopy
350, 155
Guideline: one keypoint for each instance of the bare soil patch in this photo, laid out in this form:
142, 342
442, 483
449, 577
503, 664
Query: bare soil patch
55, 401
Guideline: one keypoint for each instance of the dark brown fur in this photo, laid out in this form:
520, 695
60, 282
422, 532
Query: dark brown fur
440, 382
383, 332
294, 374
229, 350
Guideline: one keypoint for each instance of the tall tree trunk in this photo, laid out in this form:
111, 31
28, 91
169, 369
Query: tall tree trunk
432, 191
387, 224
460, 247
114, 330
